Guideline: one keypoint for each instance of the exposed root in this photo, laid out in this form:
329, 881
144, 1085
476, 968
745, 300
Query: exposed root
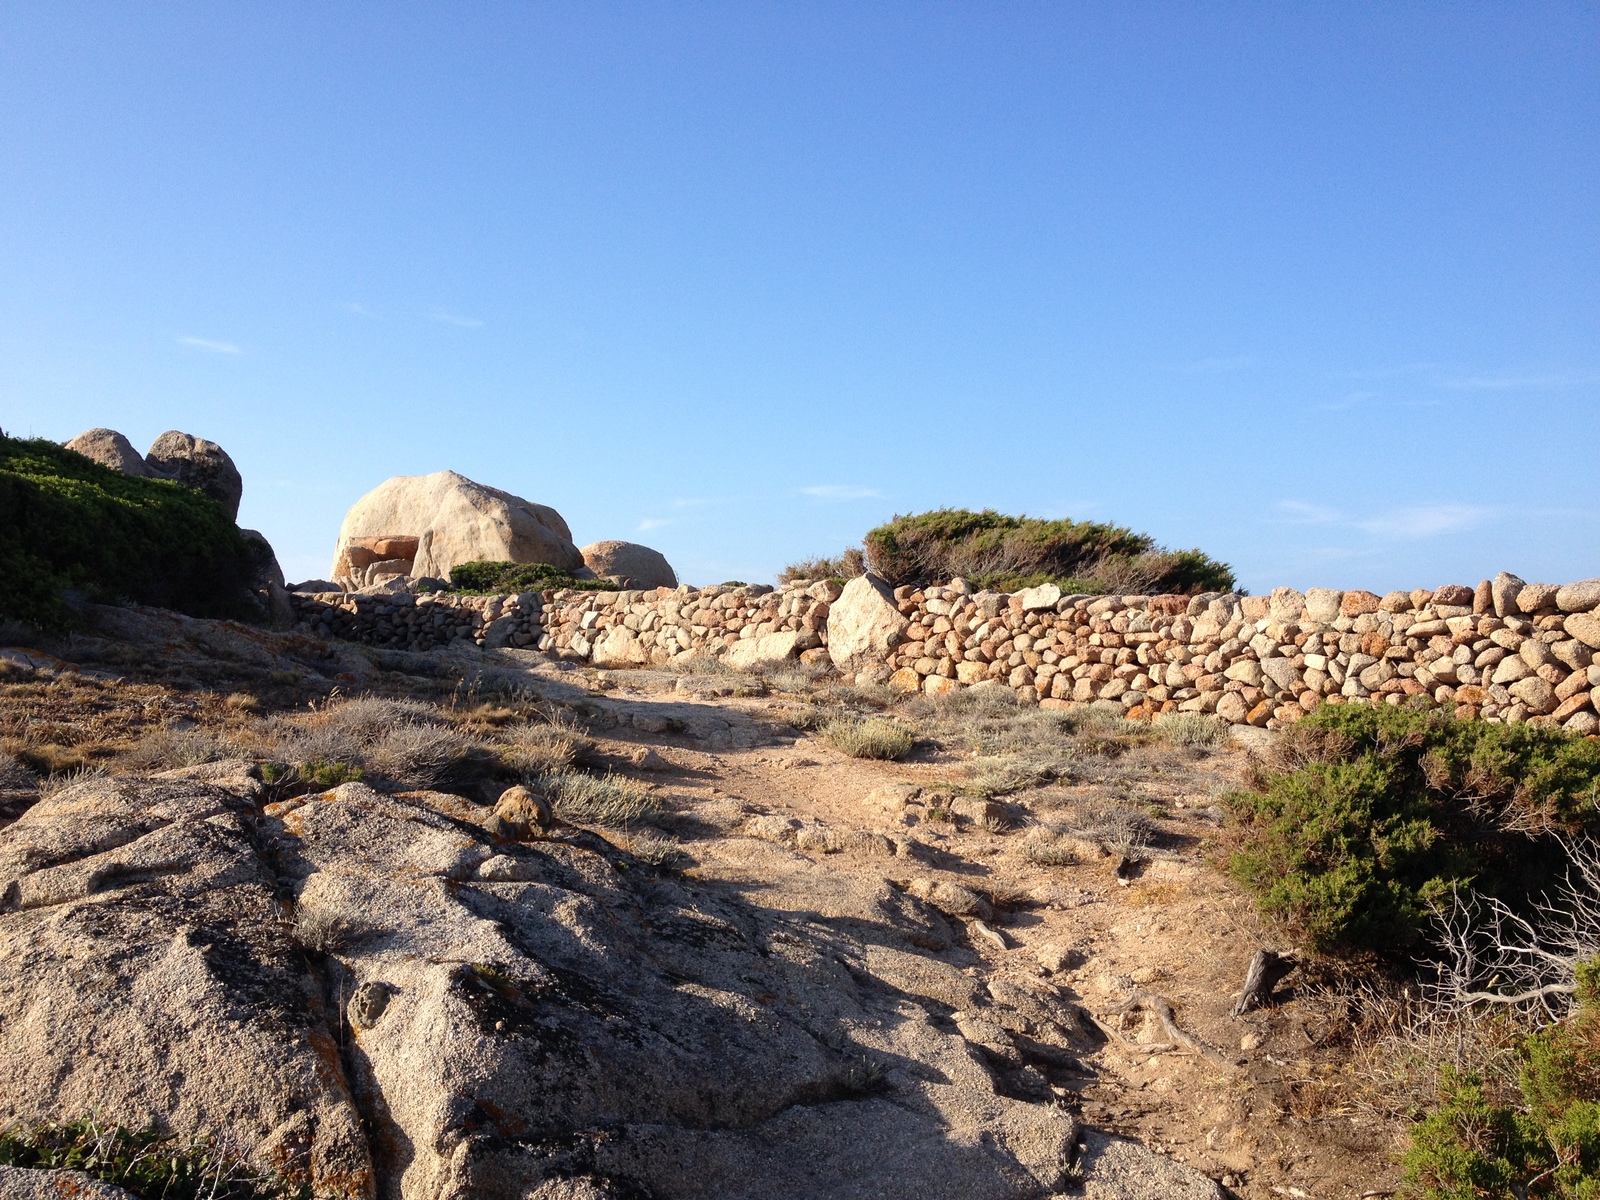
1161, 1008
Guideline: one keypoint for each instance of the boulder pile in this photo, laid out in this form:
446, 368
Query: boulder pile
1507, 650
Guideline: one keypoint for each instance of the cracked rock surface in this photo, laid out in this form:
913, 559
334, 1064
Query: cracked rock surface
370, 993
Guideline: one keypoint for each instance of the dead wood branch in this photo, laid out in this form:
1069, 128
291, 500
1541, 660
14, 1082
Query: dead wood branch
1161, 1008
1267, 968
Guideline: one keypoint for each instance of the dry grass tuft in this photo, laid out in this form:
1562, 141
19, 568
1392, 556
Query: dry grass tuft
870, 737
55, 784
1196, 730
545, 748
611, 801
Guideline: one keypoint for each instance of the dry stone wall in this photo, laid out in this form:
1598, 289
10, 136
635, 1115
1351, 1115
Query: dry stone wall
1506, 650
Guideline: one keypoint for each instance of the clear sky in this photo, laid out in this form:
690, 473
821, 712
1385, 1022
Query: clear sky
1314, 287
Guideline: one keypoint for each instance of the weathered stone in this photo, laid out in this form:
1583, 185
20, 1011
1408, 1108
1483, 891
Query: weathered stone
1534, 692
767, 650
1323, 605
619, 646
864, 623
971, 672
1286, 605
630, 564
524, 811
202, 465
110, 449
1505, 588
1537, 597
1232, 708
1354, 604
1246, 671
1583, 596
1037, 599
1282, 673
1585, 723
1395, 602
1535, 653
19, 1183
1586, 628
456, 520
1453, 595
905, 680
1510, 670
938, 685
1567, 707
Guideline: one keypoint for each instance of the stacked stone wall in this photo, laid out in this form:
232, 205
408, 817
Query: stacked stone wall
1506, 650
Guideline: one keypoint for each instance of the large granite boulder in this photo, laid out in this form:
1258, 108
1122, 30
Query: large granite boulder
204, 466
422, 525
630, 564
864, 623
110, 449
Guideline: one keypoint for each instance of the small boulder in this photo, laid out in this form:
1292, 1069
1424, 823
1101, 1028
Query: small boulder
1583, 596
521, 813
204, 466
1505, 588
630, 564
110, 449
1453, 595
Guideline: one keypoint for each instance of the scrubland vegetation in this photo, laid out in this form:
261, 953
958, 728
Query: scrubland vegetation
70, 524
1003, 553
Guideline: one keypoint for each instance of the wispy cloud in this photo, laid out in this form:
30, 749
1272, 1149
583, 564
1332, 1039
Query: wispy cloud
209, 346
445, 317
1428, 520
842, 491
360, 310
1417, 521
1298, 512
1512, 383
649, 523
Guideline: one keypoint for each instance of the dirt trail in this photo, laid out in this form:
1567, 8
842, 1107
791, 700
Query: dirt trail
1272, 1118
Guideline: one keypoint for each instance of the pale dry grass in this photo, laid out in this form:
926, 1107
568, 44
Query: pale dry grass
871, 737
612, 801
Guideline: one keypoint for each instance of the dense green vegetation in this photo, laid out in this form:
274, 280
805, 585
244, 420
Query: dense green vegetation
1005, 553
505, 578
1545, 1141
67, 522
151, 1165
1375, 813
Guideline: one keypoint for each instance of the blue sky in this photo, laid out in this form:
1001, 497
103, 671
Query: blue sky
1315, 288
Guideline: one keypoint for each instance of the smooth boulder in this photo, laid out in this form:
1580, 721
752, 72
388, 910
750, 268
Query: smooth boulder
110, 449
204, 466
453, 520
630, 564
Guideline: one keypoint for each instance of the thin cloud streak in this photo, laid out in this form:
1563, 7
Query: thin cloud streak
209, 346
456, 319
649, 523
1411, 523
842, 491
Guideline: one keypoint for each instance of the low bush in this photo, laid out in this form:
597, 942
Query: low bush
873, 737
992, 550
1370, 816
1544, 1141
505, 578
846, 565
149, 1164
69, 524
612, 801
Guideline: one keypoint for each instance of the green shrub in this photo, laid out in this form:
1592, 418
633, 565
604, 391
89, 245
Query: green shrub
149, 1164
1545, 1143
482, 578
991, 550
1374, 814
66, 522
